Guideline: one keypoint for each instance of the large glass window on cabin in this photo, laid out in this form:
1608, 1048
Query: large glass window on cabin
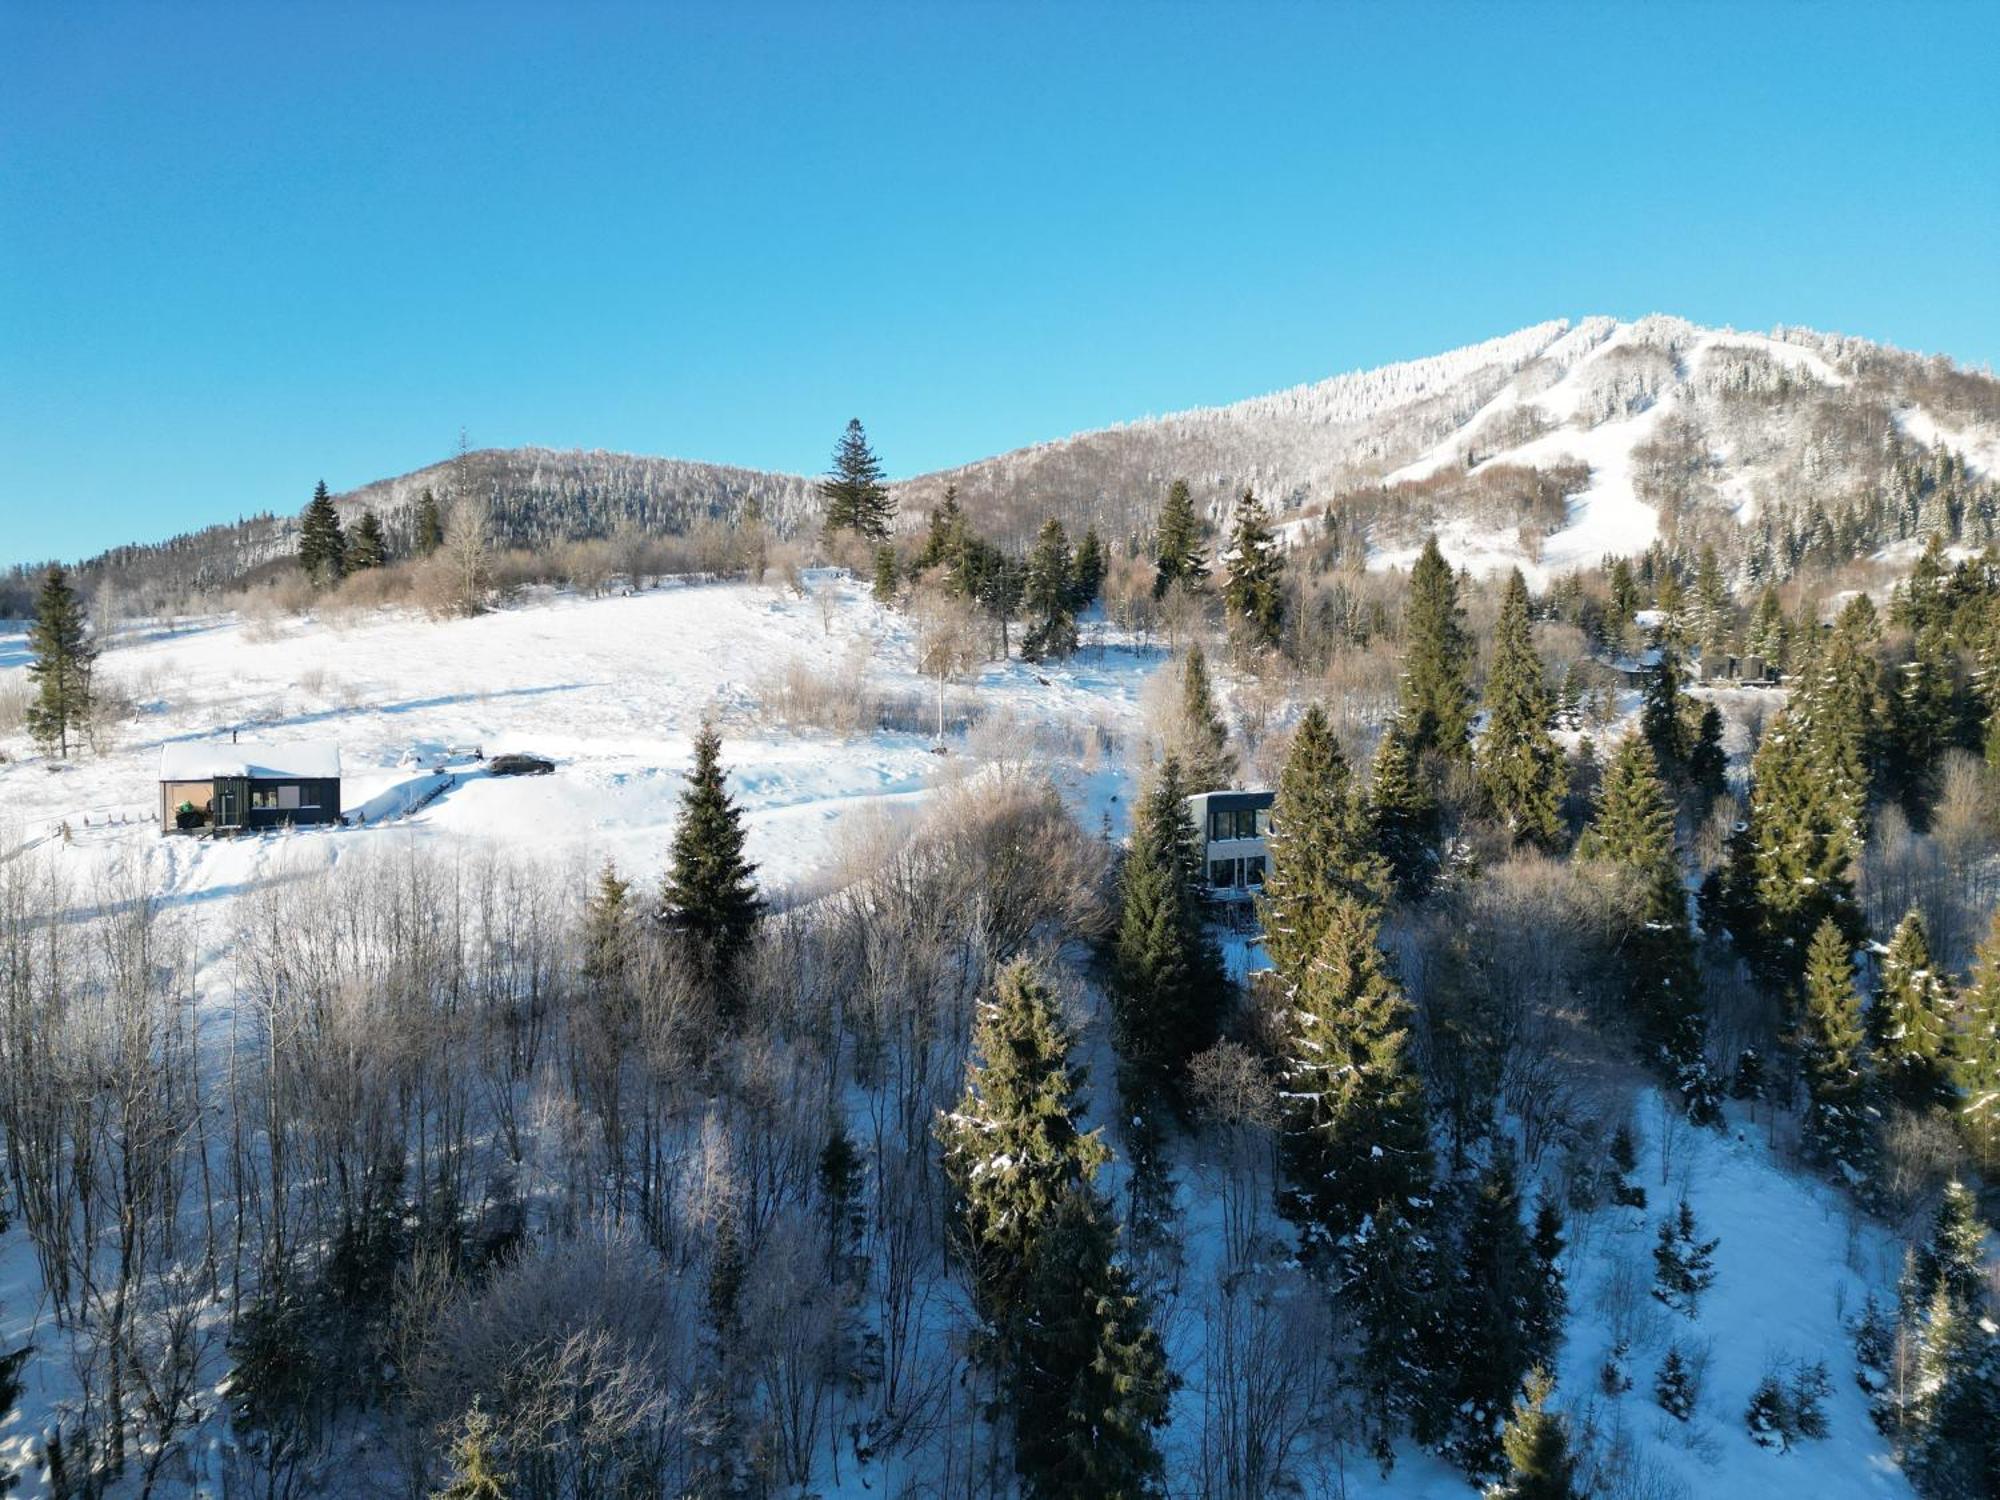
1253, 870
1219, 824
1222, 873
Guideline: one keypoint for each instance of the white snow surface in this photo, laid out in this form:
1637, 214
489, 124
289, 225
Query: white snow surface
195, 761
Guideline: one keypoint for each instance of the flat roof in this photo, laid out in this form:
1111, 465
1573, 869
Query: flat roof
294, 760
1234, 801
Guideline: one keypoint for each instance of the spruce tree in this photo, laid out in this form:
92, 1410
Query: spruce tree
1087, 572
1201, 738
1714, 613
1839, 710
1402, 816
1953, 1257
1047, 598
884, 589
475, 1457
1437, 704
1320, 847
1830, 1046
944, 543
1254, 590
1634, 832
1178, 556
1013, 1148
856, 498
710, 896
1660, 716
1495, 1302
1909, 1025
1953, 1448
1674, 1386
1549, 1306
1708, 763
1520, 768
1091, 1383
322, 544
367, 548
1975, 1053
1540, 1465
1923, 722
429, 525
1171, 988
1768, 636
1683, 1262
1357, 1141
61, 673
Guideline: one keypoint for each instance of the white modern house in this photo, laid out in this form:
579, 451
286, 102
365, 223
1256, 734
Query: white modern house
1234, 828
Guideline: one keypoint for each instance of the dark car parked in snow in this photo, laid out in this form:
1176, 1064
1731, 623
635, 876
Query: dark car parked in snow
520, 765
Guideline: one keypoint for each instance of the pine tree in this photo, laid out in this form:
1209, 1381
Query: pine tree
1402, 816
62, 670
474, 1456
1708, 763
1909, 1024
1201, 738
1091, 1383
1178, 556
1838, 707
884, 589
856, 497
1087, 572
1953, 1449
1975, 1053
1953, 1257
1520, 768
1830, 1047
1437, 704
1319, 847
1540, 1465
1013, 1149
322, 544
1549, 1307
1683, 1262
367, 548
429, 526
1660, 716
1634, 831
1714, 613
945, 542
709, 895
1674, 1386
1498, 1289
1358, 1137
1047, 597
1254, 590
1923, 722
607, 928
840, 1178
1171, 988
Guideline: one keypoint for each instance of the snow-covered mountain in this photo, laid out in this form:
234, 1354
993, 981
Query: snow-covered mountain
1549, 447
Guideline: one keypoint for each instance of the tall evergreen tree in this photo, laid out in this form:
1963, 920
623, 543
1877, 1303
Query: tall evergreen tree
367, 548
322, 544
1495, 1306
1087, 572
1520, 768
1171, 988
1909, 1025
1357, 1142
1437, 703
1714, 612
709, 895
1634, 831
1975, 1054
1013, 1148
1403, 816
1201, 738
1768, 636
64, 664
429, 525
1048, 602
1178, 556
1708, 763
1254, 590
1660, 716
856, 498
884, 588
1540, 1465
1923, 722
1091, 1378
1839, 709
1320, 847
1830, 1043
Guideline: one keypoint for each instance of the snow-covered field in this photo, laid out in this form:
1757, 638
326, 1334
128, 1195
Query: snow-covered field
612, 689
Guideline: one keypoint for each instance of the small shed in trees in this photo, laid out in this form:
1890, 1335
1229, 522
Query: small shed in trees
227, 787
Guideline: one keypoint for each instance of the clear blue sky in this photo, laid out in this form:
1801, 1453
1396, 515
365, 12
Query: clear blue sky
242, 247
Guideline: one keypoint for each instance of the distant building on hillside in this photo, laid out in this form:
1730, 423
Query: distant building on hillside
226, 787
1234, 827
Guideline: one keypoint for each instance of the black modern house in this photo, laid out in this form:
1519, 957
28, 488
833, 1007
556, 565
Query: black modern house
242, 788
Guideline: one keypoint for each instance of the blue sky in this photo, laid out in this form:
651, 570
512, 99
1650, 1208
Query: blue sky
244, 247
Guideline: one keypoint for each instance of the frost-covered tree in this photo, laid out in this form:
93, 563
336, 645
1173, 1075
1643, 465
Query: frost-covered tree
1520, 768
1437, 652
854, 495
1254, 589
1975, 1055
475, 1460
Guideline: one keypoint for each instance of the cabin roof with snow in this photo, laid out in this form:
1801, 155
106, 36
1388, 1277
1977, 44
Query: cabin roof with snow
295, 760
